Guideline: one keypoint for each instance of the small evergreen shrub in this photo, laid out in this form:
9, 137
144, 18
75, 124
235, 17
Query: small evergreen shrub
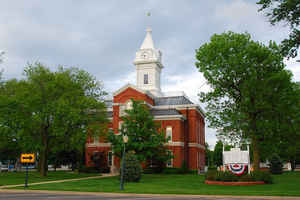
133, 169
276, 164
184, 168
211, 175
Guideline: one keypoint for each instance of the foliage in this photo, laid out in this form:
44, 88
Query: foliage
214, 175
100, 162
208, 155
276, 164
288, 12
85, 169
250, 88
144, 135
262, 176
133, 168
51, 111
64, 158
184, 168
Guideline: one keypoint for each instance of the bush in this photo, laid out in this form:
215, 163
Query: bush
275, 164
100, 162
214, 175
184, 168
85, 169
211, 175
133, 169
262, 176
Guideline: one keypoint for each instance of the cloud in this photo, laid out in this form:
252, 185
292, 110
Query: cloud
102, 37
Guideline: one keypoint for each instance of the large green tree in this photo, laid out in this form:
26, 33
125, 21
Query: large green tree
145, 136
51, 110
288, 12
248, 82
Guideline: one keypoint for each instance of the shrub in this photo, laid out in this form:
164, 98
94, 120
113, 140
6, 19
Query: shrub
262, 176
100, 162
275, 164
133, 169
184, 168
85, 169
211, 175
214, 175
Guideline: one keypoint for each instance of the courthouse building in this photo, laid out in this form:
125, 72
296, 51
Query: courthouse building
182, 120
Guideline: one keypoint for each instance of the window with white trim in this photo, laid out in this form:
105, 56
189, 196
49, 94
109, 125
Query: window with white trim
170, 162
146, 81
169, 133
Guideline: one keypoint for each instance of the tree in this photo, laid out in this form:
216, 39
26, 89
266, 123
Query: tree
248, 84
208, 155
145, 137
218, 154
287, 11
49, 110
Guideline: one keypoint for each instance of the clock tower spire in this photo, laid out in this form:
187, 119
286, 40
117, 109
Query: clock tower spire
148, 66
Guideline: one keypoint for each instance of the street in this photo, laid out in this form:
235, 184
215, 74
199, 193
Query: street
93, 196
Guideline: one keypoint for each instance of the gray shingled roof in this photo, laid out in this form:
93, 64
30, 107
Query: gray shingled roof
177, 100
156, 112
108, 103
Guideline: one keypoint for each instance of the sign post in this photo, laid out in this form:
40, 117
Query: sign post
27, 158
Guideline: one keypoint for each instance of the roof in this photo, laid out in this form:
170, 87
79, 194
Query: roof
177, 100
156, 112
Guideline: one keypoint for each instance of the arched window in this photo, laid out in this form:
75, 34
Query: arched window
169, 133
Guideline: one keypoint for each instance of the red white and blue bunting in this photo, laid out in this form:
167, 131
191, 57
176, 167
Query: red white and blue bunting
237, 169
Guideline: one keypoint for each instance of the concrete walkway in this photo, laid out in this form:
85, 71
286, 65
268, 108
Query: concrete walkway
57, 181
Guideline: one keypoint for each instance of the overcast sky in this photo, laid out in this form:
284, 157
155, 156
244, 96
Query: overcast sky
102, 37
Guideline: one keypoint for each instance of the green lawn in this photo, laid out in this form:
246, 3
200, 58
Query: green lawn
13, 178
287, 184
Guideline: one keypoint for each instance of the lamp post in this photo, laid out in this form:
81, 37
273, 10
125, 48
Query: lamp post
125, 140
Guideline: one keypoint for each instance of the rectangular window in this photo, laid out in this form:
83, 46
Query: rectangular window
109, 158
146, 81
170, 162
169, 133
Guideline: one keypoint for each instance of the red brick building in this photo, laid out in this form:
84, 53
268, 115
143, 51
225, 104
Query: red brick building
182, 120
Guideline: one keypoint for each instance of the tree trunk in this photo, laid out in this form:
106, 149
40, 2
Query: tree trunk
44, 155
256, 157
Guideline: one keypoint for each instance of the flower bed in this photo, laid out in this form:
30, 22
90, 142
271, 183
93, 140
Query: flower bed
227, 178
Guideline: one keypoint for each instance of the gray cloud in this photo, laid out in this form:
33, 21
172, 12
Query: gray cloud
103, 36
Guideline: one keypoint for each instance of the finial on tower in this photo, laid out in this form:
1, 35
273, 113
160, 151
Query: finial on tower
148, 41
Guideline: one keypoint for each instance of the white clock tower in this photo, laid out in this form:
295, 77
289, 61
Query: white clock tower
148, 66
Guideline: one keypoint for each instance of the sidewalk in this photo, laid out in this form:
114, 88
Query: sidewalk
57, 181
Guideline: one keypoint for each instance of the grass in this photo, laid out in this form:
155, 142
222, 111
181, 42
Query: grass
286, 184
14, 178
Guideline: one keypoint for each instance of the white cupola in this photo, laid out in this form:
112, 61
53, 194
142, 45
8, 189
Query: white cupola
148, 66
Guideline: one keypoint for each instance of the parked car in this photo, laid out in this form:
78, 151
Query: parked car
3, 166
